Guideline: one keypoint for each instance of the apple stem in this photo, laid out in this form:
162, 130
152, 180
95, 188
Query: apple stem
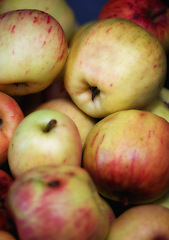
95, 91
1, 121
51, 124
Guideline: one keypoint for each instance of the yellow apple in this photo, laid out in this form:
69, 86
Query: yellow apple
59, 9
33, 51
114, 65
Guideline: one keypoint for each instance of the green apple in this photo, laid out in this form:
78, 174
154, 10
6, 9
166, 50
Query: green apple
33, 51
114, 65
57, 203
83, 122
10, 116
164, 95
127, 155
59, 9
157, 106
44, 137
148, 222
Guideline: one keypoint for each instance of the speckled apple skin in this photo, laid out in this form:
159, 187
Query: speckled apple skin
10, 116
59, 9
127, 155
57, 202
151, 15
120, 59
33, 50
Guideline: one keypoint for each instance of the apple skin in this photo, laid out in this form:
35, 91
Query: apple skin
114, 65
65, 105
59, 9
10, 116
79, 31
158, 107
44, 137
127, 156
57, 202
5, 235
146, 222
164, 95
151, 15
34, 50
5, 182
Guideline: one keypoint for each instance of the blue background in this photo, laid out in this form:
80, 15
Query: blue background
86, 10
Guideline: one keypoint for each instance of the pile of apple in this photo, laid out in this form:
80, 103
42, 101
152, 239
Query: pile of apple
84, 120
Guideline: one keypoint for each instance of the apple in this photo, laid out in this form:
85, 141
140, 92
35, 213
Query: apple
10, 116
157, 106
33, 51
108, 209
151, 15
164, 95
59, 9
79, 31
44, 137
114, 65
5, 182
5, 235
127, 156
57, 202
147, 222
65, 105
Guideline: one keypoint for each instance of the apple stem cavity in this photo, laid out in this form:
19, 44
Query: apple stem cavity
1, 121
51, 124
95, 92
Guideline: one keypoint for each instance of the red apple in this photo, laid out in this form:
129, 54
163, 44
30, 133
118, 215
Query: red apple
152, 15
10, 116
58, 203
5, 182
127, 155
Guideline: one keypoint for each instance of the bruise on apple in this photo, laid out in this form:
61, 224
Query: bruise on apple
54, 183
